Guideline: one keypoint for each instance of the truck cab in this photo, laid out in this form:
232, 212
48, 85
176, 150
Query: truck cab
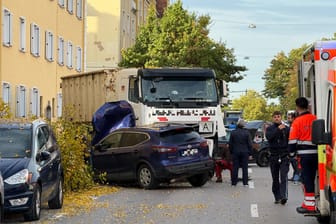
178, 95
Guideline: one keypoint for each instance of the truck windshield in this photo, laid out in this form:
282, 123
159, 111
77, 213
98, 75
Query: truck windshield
179, 89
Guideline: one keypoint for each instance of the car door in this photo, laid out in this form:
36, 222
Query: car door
44, 163
103, 157
131, 148
55, 166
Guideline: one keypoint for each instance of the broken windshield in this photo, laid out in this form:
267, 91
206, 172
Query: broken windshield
179, 89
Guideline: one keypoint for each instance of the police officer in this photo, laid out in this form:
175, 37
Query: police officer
300, 142
240, 145
277, 135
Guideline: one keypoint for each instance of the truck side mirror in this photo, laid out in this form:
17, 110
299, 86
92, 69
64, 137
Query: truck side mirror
319, 135
223, 89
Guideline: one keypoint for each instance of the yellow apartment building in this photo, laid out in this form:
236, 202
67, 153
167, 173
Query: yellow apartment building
42, 40
111, 26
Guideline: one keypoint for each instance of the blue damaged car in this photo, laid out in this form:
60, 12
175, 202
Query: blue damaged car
160, 153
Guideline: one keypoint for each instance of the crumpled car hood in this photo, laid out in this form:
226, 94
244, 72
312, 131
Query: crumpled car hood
111, 116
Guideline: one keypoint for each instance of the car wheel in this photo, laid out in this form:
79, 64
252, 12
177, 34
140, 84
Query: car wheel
198, 180
263, 158
211, 173
57, 201
35, 210
146, 177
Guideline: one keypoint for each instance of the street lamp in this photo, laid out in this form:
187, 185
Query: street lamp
252, 26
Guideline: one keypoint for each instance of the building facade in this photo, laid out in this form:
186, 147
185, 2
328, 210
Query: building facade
112, 25
41, 42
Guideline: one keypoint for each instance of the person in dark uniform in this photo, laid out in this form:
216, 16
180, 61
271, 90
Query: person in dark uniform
300, 143
277, 135
240, 145
293, 160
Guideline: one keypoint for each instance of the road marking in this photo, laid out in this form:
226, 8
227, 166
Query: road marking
254, 211
251, 184
249, 170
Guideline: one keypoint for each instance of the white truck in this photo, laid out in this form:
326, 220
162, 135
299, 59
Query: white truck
317, 82
190, 96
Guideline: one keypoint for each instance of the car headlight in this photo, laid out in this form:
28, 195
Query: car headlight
20, 177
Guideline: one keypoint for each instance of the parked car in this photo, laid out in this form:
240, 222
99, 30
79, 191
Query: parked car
30, 163
260, 153
2, 199
257, 129
161, 153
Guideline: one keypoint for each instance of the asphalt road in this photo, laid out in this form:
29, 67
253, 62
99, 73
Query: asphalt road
181, 204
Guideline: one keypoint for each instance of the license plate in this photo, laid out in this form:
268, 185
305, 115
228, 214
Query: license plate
189, 152
205, 127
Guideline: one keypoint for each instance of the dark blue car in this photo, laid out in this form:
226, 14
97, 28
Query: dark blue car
160, 153
30, 163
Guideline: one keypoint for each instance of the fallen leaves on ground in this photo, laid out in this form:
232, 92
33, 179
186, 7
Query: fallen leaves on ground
84, 201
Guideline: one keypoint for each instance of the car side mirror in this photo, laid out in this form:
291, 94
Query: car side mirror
43, 155
319, 134
99, 147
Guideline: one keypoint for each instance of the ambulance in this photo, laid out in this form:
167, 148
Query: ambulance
317, 82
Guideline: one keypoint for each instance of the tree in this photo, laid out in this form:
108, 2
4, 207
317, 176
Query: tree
180, 39
253, 104
281, 78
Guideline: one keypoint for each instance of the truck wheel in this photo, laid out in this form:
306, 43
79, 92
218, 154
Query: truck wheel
198, 180
263, 156
146, 177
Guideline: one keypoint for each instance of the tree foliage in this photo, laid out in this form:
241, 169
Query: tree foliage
253, 105
180, 39
72, 139
281, 78
5, 112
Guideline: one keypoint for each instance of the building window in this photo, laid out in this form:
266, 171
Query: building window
60, 50
70, 6
6, 88
69, 54
61, 3
35, 102
79, 9
35, 40
7, 28
22, 34
20, 101
78, 59
59, 105
49, 46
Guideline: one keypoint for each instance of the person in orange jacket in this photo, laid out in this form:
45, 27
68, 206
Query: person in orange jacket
300, 143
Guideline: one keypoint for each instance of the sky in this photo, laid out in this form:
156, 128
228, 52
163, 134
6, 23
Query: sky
279, 26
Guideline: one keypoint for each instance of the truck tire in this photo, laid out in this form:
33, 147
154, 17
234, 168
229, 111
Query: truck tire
263, 156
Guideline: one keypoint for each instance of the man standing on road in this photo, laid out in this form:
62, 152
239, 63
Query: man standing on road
240, 145
277, 135
293, 161
300, 142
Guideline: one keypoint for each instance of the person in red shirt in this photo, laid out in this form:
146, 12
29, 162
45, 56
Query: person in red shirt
300, 143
